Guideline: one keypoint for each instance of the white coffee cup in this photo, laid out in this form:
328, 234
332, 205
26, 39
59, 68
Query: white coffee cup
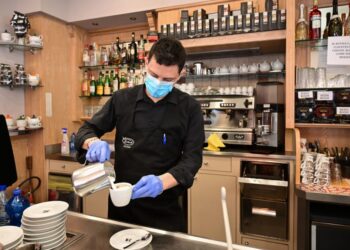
121, 195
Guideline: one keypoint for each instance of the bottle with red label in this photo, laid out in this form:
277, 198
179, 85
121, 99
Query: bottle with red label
315, 22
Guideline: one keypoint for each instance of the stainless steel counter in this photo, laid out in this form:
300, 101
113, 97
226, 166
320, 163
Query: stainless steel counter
94, 233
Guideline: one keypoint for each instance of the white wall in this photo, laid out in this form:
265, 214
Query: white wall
11, 101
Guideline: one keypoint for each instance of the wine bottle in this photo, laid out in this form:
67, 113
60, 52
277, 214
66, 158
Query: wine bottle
325, 32
335, 27
347, 26
301, 28
133, 50
315, 22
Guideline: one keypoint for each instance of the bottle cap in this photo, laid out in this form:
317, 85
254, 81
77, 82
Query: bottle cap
17, 191
64, 130
3, 187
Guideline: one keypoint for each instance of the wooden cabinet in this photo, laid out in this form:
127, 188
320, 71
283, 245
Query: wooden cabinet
205, 210
206, 218
262, 244
63, 167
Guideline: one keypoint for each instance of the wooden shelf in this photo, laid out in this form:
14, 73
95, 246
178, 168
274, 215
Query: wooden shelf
13, 45
267, 42
321, 125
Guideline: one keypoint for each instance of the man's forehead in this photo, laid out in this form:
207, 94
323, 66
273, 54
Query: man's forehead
163, 70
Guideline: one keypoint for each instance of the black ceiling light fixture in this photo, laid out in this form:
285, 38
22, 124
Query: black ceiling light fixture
132, 18
94, 23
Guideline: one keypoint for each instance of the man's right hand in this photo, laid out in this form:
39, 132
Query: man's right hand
98, 151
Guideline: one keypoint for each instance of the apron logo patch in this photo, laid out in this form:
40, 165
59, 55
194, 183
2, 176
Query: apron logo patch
127, 142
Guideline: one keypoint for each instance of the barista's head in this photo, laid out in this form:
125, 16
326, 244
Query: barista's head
166, 59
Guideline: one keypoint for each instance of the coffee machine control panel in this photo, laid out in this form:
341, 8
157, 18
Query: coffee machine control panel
241, 103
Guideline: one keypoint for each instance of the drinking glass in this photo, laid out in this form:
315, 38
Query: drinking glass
321, 78
311, 77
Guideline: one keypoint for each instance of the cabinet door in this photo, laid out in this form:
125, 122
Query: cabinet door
65, 167
261, 244
96, 204
206, 217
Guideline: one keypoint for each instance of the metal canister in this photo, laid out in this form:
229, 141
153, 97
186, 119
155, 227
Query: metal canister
92, 178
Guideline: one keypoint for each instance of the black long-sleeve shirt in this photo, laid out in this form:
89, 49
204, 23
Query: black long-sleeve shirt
148, 115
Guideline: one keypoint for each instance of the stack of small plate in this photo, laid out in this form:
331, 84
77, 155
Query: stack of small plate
11, 237
45, 223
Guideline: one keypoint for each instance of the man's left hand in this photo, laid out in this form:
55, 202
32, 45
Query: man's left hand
147, 186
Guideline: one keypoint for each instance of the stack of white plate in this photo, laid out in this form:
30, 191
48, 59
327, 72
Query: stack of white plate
11, 237
45, 223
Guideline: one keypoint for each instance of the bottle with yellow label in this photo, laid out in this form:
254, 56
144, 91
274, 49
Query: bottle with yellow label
107, 85
99, 87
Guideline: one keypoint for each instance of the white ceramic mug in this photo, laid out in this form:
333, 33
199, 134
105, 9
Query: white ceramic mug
121, 195
7, 37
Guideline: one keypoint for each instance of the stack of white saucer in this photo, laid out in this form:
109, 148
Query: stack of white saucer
45, 223
10, 237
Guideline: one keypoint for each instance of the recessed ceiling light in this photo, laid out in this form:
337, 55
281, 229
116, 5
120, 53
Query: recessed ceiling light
94, 24
132, 18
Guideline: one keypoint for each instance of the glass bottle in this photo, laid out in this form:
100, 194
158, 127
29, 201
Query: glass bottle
104, 56
15, 207
325, 32
315, 22
99, 86
117, 51
85, 85
92, 86
124, 55
335, 27
133, 50
141, 50
86, 57
343, 19
107, 85
123, 81
95, 55
301, 29
347, 25
115, 80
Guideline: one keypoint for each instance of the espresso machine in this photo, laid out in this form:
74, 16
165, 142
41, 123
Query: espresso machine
230, 117
269, 115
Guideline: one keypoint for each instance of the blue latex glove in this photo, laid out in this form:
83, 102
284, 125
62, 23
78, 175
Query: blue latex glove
147, 186
98, 151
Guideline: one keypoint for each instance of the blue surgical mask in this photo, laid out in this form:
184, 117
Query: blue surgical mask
156, 88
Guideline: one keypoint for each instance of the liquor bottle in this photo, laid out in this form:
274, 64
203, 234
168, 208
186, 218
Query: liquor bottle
123, 81
335, 27
141, 50
315, 22
107, 85
117, 51
325, 32
99, 86
268, 5
115, 80
124, 55
347, 25
301, 29
343, 19
85, 85
133, 50
92, 86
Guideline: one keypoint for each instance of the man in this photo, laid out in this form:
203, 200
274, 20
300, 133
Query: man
158, 144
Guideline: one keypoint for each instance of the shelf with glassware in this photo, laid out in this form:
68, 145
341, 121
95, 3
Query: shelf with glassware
15, 86
248, 75
25, 47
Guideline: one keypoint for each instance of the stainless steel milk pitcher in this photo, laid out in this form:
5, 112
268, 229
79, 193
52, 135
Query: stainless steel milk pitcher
92, 178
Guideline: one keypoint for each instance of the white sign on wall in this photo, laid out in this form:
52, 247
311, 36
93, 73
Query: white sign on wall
338, 52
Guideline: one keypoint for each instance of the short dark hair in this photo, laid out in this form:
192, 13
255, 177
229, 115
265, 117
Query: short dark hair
168, 51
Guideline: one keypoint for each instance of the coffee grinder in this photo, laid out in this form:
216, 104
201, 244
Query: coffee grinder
270, 120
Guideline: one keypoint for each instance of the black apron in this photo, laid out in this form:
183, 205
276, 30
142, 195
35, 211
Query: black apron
141, 152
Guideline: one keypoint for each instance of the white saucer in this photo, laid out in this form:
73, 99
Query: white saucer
45, 209
10, 235
43, 221
14, 244
48, 240
42, 229
29, 234
43, 225
123, 238
54, 244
